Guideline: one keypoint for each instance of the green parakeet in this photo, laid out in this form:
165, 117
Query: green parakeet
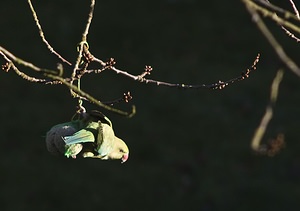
93, 136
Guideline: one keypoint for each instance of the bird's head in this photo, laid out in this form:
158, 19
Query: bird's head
120, 151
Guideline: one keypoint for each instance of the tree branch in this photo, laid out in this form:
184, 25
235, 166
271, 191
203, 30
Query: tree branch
43, 36
252, 9
260, 131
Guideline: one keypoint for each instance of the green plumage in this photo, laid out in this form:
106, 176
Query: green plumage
93, 136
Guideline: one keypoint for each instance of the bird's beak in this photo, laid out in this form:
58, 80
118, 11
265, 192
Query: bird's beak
124, 158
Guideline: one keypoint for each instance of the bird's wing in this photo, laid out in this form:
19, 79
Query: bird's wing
108, 137
82, 136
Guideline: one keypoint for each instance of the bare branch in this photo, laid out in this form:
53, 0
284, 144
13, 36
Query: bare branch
81, 46
5, 52
295, 9
43, 36
271, 39
56, 79
273, 15
81, 65
290, 34
260, 131
9, 64
141, 78
91, 99
89, 21
84, 44
286, 14
125, 98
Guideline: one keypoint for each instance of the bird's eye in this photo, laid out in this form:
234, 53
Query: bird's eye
121, 150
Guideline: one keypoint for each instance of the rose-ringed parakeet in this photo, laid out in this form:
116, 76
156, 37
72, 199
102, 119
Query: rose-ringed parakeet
93, 137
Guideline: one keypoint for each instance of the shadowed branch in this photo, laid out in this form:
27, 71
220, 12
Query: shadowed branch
260, 131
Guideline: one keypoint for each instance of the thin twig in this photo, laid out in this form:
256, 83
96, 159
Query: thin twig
295, 9
83, 44
24, 63
218, 85
10, 64
89, 21
290, 34
126, 98
43, 36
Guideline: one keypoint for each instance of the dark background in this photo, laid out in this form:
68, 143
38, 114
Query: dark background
188, 149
